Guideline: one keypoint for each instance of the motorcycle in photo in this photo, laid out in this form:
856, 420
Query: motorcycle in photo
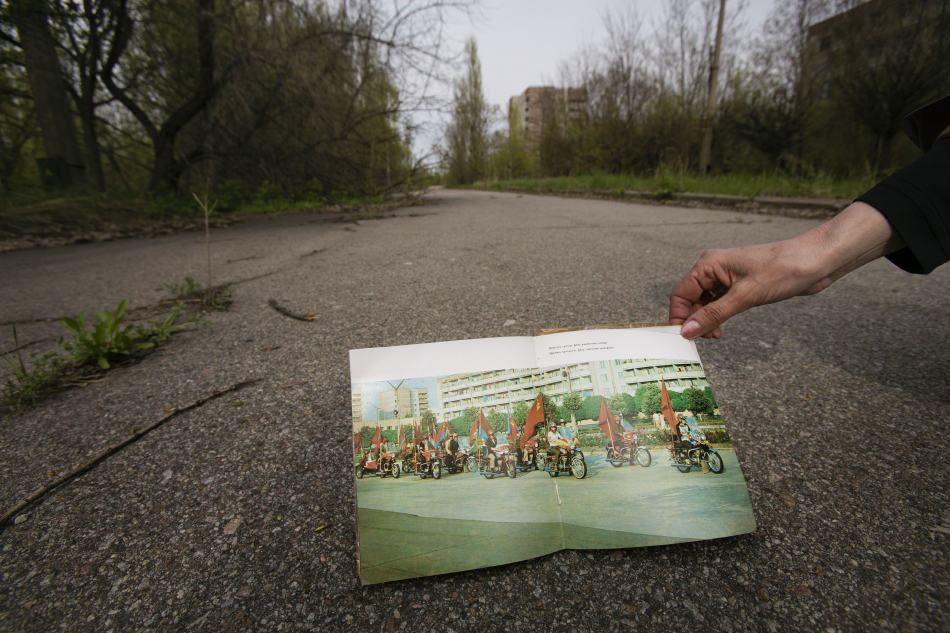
453, 464
569, 460
529, 459
505, 463
385, 465
627, 450
427, 463
685, 459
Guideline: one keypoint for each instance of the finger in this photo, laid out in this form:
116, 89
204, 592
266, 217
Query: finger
707, 319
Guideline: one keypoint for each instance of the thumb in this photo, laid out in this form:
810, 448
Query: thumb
710, 317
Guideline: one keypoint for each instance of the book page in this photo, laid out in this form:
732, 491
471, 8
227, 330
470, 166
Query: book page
610, 480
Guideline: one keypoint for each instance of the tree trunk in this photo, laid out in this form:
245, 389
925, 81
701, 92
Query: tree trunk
49, 92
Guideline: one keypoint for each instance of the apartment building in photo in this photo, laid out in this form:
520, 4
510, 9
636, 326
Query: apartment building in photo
502, 389
403, 402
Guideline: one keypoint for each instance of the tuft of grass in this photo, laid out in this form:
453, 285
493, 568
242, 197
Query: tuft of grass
215, 298
26, 386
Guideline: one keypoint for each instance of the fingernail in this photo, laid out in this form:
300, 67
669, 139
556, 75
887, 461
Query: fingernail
691, 330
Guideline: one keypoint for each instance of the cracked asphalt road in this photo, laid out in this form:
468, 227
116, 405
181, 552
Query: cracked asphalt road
838, 406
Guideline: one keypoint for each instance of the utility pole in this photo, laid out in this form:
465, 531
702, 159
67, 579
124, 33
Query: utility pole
711, 103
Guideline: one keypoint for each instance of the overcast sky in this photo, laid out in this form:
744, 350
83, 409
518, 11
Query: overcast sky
520, 42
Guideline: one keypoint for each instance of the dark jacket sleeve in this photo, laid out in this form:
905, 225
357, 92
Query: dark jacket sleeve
916, 199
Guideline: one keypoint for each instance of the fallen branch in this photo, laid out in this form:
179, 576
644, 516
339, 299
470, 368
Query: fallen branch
42, 490
307, 316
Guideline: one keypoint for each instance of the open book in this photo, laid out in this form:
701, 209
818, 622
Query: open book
475, 453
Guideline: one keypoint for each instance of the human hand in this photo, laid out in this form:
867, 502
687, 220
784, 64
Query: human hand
725, 282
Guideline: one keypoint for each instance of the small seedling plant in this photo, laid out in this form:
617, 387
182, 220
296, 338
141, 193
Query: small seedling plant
107, 341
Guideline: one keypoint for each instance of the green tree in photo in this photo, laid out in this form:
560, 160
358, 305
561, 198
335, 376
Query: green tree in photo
520, 411
497, 421
572, 401
428, 419
463, 423
648, 398
678, 401
712, 398
698, 402
366, 435
590, 408
621, 404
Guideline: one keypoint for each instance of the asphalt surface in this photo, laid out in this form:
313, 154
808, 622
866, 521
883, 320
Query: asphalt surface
838, 406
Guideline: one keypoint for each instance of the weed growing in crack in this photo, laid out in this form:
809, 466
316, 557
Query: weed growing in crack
26, 386
88, 353
217, 298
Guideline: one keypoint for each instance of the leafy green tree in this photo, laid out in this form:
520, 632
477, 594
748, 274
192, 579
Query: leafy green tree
521, 411
712, 398
460, 425
678, 401
648, 398
698, 401
428, 418
467, 134
366, 435
590, 408
572, 401
463, 423
622, 404
497, 421
391, 435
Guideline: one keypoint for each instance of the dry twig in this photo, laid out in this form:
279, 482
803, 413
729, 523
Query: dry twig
307, 316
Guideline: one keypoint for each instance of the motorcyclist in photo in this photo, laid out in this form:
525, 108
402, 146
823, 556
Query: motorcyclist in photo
451, 448
490, 443
686, 441
556, 441
569, 431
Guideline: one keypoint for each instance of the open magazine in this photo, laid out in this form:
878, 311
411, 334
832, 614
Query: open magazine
469, 454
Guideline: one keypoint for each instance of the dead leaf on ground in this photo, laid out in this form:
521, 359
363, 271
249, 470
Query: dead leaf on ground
787, 499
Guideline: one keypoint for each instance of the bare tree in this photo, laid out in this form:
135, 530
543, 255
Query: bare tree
31, 19
785, 88
886, 60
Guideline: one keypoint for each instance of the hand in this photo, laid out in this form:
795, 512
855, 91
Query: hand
726, 282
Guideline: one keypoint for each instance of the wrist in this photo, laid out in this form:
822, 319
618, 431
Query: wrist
856, 236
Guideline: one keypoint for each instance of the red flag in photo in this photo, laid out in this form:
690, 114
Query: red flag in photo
440, 434
356, 443
480, 427
401, 442
608, 422
666, 407
535, 417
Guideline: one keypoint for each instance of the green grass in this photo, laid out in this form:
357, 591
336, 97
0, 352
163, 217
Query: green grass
819, 185
63, 213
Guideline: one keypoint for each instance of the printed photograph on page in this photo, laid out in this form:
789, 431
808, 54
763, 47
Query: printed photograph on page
471, 470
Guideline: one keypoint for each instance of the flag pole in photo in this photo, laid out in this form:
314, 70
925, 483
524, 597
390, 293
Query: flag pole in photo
666, 407
605, 420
